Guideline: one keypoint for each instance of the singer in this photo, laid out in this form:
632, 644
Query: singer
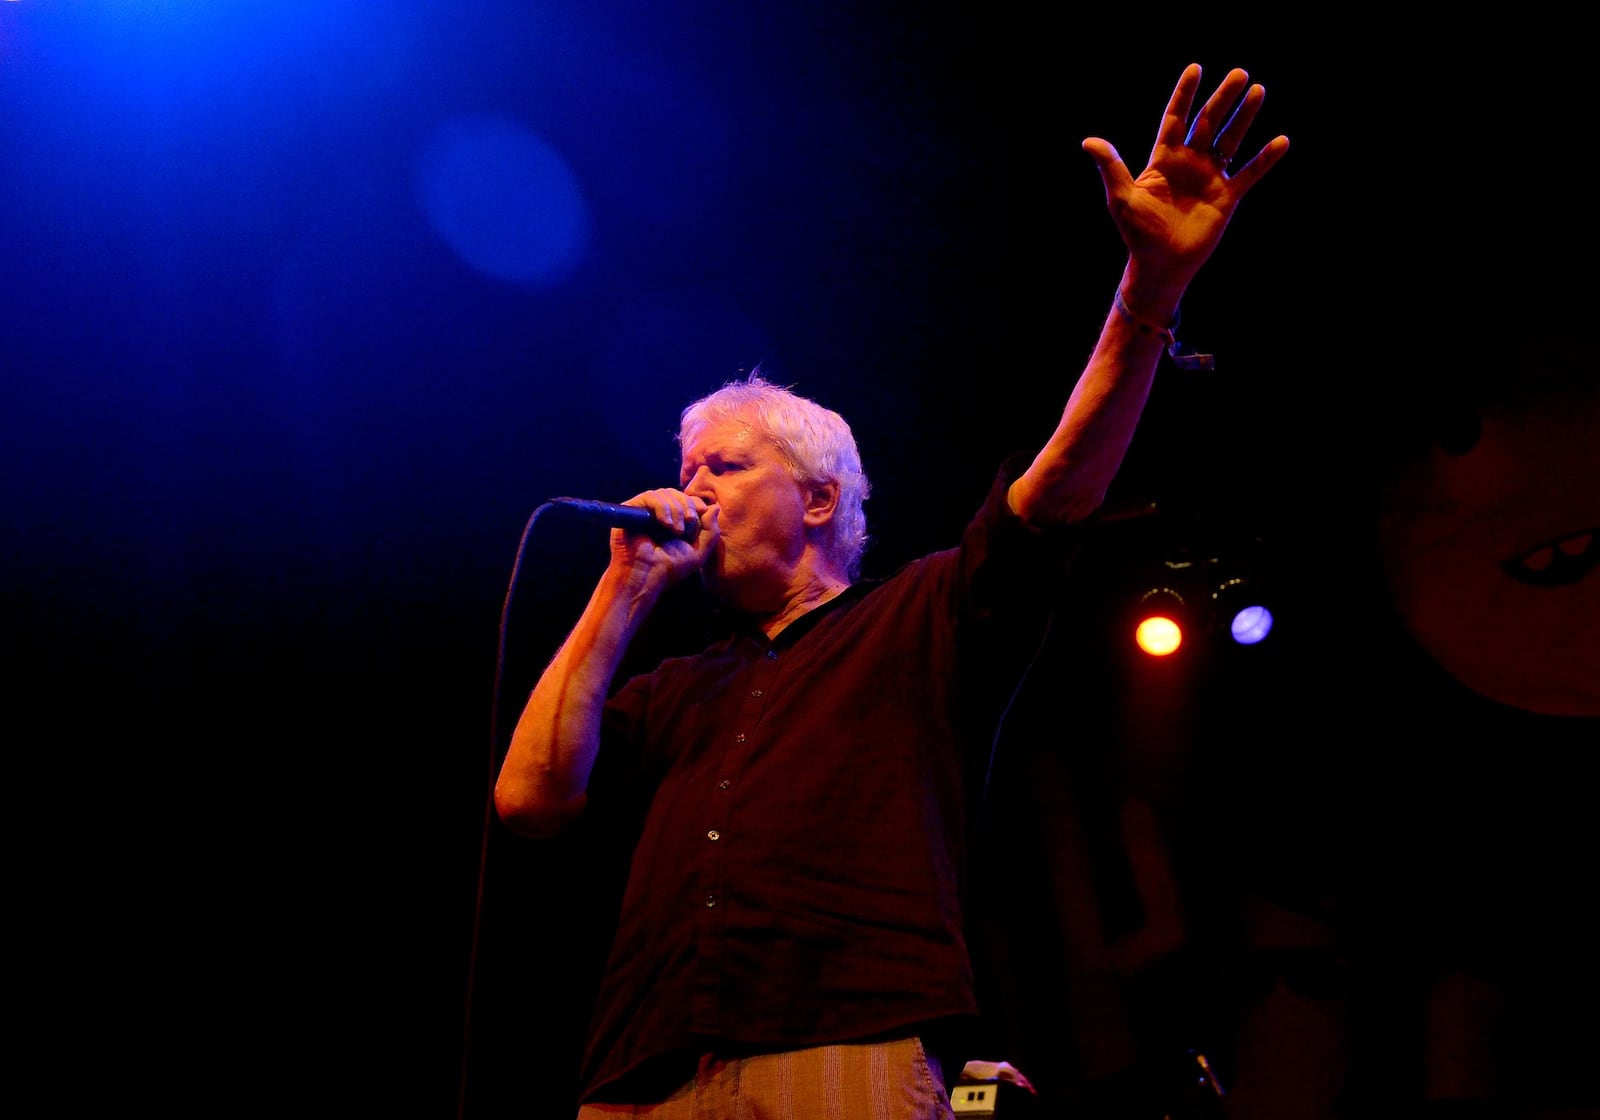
791, 936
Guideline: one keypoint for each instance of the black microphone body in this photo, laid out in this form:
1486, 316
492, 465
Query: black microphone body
632, 519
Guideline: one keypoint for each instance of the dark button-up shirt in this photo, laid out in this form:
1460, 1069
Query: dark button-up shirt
798, 876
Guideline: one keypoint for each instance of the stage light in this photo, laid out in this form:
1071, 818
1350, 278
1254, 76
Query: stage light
1199, 596
1161, 617
1238, 608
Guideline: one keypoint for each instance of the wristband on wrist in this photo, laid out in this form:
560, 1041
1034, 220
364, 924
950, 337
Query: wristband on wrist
1163, 333
1182, 356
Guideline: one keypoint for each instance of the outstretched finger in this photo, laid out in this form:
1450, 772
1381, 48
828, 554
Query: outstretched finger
1175, 121
1214, 114
1247, 176
1231, 136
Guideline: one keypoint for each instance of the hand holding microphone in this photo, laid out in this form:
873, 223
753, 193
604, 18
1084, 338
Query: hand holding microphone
630, 519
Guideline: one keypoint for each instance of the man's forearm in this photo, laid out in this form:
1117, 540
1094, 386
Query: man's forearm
1068, 479
542, 782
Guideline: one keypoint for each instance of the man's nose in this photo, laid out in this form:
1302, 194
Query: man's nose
700, 486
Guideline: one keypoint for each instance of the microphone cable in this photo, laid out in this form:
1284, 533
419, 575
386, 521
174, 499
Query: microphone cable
488, 812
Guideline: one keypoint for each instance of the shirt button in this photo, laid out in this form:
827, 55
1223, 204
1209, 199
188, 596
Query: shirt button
711, 900
739, 738
713, 835
772, 655
756, 693
724, 784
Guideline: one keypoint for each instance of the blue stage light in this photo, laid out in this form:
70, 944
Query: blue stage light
1238, 606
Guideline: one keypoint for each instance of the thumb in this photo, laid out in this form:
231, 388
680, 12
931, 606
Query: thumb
1113, 172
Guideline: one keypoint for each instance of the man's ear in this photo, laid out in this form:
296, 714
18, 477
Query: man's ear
822, 498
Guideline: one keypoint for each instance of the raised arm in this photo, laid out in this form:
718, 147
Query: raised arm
543, 780
1171, 218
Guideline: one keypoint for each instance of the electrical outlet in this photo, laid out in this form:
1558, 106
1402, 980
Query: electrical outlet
975, 1099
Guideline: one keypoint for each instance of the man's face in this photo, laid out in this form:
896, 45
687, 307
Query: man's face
760, 511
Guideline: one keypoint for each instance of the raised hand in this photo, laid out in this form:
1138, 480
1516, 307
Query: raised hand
1171, 217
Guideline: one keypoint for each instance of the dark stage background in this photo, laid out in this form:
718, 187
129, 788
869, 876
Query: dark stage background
307, 308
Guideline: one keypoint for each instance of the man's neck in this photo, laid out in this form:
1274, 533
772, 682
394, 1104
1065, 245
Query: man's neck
809, 596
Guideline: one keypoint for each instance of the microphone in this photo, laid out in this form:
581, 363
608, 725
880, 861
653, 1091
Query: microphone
633, 519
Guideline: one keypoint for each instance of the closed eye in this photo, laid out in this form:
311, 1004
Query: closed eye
714, 463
